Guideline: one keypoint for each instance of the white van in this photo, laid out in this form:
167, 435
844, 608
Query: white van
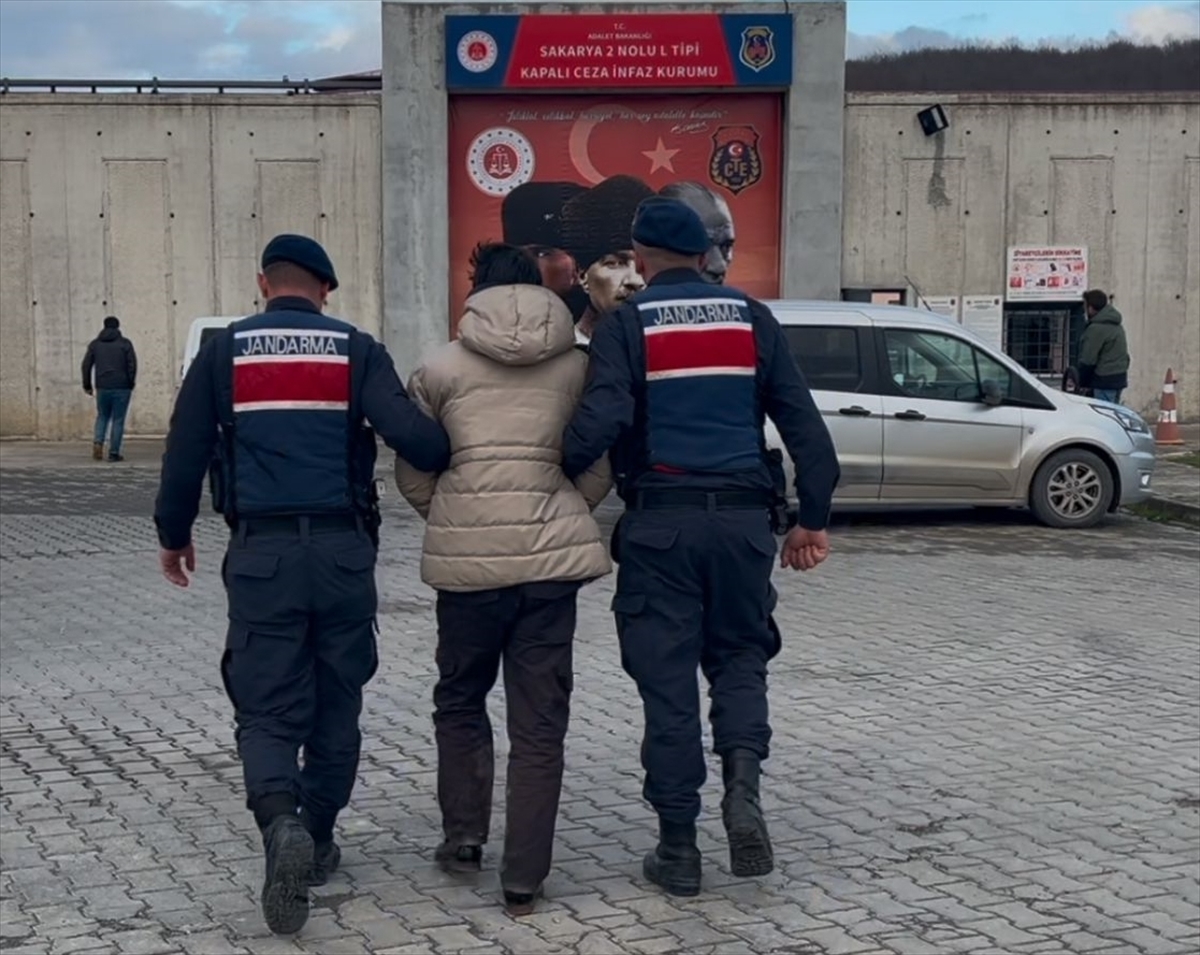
201, 330
924, 412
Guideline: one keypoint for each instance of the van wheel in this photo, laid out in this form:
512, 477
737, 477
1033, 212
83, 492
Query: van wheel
1072, 488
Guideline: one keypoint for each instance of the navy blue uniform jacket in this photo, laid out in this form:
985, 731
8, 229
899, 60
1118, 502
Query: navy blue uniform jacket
193, 435
611, 415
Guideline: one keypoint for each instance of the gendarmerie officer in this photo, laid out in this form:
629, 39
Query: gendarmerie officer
680, 378
280, 400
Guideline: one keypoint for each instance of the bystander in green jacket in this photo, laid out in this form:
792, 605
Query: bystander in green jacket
1103, 351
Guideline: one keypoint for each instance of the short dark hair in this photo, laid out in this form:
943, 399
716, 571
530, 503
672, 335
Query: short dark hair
1095, 298
112, 322
497, 263
291, 275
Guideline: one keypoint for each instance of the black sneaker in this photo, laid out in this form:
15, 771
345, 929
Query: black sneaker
115, 457
289, 852
326, 857
452, 857
518, 904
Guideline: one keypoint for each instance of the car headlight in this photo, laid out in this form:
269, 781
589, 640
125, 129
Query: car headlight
1131, 421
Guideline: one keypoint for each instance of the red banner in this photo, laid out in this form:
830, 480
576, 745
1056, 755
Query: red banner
575, 49
585, 52
563, 174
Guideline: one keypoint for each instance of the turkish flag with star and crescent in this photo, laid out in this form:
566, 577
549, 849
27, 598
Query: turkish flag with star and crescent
566, 172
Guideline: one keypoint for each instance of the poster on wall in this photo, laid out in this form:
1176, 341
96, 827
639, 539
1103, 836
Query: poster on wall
1039, 273
562, 175
941, 305
984, 315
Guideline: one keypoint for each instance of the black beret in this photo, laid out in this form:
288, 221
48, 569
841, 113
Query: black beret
302, 251
671, 225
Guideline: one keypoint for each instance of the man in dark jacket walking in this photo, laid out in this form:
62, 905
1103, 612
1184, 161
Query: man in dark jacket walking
1103, 351
111, 357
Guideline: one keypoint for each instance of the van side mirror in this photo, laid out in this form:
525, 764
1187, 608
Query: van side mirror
990, 393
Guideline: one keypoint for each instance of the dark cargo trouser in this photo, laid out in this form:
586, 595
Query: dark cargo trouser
301, 647
694, 589
531, 627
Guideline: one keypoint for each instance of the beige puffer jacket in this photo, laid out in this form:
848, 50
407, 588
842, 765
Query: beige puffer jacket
504, 513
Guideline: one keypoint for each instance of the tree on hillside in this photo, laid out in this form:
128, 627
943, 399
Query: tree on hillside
1119, 66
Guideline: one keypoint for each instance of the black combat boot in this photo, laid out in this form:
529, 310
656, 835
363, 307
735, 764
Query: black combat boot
326, 858
749, 845
289, 850
675, 865
327, 854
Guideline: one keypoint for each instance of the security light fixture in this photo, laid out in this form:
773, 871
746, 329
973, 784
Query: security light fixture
932, 120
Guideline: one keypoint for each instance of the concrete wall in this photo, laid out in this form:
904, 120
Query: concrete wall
1118, 173
155, 209
160, 218
416, 130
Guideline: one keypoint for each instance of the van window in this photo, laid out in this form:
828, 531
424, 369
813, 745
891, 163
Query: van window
942, 367
827, 354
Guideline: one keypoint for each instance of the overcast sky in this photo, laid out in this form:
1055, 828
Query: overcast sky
267, 39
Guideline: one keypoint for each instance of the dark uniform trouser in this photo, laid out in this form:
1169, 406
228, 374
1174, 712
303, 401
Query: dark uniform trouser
531, 628
694, 589
300, 649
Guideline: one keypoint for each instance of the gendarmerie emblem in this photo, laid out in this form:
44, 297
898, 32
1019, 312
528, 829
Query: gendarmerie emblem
758, 48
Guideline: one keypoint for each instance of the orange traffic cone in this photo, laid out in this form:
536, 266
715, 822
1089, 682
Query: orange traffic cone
1167, 429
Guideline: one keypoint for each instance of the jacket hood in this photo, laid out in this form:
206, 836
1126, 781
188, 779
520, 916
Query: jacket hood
517, 324
109, 334
1108, 316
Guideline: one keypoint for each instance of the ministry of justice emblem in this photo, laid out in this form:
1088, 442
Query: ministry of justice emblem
477, 51
758, 48
499, 160
735, 162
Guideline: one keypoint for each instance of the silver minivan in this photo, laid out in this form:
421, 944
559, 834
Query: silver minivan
924, 412
199, 332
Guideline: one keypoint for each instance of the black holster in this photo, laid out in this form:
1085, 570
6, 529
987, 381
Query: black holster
363, 452
783, 517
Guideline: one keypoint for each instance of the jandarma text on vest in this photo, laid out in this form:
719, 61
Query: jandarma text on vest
694, 312
283, 341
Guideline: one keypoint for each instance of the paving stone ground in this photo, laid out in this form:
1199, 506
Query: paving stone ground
987, 740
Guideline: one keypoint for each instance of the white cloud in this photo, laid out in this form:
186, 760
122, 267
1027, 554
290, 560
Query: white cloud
223, 56
1158, 23
266, 39
188, 39
861, 45
337, 39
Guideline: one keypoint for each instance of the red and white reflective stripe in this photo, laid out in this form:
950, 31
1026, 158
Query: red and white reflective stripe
242, 406
699, 327
292, 333
699, 372
693, 351
269, 359
291, 382
729, 303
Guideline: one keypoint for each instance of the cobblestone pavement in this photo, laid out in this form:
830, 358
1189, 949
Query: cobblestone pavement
987, 741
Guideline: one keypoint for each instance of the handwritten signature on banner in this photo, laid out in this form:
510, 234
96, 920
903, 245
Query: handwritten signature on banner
687, 120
